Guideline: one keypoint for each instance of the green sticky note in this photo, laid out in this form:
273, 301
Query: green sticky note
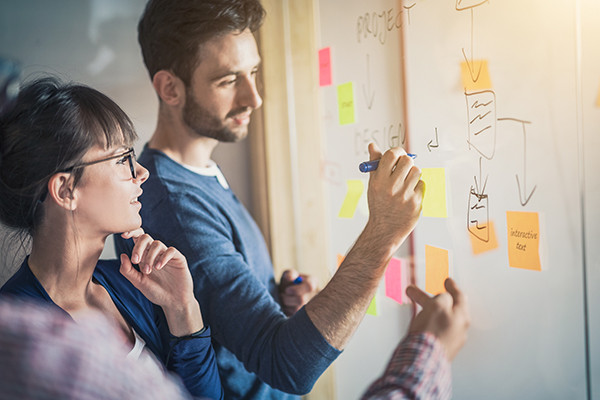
372, 310
434, 201
355, 190
345, 97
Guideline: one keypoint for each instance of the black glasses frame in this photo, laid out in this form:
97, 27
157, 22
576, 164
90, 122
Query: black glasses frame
129, 154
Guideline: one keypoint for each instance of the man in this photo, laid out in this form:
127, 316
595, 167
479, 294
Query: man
202, 58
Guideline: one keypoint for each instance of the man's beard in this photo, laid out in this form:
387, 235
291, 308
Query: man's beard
205, 124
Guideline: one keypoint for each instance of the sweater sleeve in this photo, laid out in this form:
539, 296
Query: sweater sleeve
418, 369
193, 359
289, 354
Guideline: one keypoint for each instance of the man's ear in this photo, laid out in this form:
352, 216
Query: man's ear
169, 87
61, 191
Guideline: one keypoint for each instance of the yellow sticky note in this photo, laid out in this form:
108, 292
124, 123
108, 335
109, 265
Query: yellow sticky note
372, 310
345, 97
523, 240
434, 201
475, 75
490, 242
355, 190
437, 268
598, 99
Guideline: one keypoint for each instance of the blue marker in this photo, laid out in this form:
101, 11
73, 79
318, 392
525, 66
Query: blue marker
369, 166
298, 280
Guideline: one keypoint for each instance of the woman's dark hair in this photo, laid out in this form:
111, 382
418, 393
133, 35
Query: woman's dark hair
47, 129
170, 32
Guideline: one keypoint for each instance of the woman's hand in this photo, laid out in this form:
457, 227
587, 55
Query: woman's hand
165, 279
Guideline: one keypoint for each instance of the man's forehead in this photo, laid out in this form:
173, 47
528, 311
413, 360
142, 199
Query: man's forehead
230, 51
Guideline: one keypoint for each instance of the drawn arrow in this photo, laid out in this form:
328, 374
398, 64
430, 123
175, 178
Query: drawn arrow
470, 63
436, 145
524, 192
369, 96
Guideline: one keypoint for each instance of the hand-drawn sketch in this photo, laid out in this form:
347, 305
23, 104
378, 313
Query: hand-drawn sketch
481, 114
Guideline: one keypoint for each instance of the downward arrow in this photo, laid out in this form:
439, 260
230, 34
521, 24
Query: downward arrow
470, 64
369, 96
527, 197
429, 145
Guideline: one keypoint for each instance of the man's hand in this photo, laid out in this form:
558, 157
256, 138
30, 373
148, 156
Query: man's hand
395, 196
445, 315
295, 290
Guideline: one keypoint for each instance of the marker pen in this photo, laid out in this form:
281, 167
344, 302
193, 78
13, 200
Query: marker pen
298, 280
369, 166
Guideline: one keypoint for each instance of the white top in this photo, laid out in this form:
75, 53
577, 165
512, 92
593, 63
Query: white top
211, 170
140, 353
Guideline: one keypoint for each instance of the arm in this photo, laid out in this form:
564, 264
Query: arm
420, 366
395, 193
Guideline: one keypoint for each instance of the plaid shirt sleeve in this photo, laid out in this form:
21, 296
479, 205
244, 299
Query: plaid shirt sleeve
46, 355
418, 369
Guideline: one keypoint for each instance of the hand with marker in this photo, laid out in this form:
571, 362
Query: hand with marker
395, 196
295, 290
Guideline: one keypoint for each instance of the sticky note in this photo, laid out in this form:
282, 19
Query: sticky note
340, 259
598, 99
372, 310
345, 97
485, 242
434, 201
325, 67
437, 268
475, 75
355, 188
395, 280
523, 230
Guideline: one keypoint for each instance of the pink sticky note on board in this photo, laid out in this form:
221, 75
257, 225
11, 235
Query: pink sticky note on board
395, 284
325, 66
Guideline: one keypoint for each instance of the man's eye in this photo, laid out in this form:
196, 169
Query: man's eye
122, 160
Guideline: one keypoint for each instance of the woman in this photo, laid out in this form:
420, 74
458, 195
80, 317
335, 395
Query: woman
68, 178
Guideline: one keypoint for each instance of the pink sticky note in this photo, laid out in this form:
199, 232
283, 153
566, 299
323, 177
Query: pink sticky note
325, 67
394, 284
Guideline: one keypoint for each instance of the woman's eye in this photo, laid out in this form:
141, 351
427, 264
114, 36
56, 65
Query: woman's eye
122, 160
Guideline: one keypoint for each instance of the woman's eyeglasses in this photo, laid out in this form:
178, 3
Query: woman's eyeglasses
129, 155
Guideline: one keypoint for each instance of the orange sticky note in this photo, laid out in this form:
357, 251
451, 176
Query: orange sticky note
481, 246
395, 284
475, 75
325, 67
345, 98
340, 259
437, 266
372, 310
355, 190
523, 240
434, 202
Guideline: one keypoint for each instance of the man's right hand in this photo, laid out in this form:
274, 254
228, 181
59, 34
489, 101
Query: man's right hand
395, 195
445, 315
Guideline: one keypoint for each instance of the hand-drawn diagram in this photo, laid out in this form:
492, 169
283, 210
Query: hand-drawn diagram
481, 114
478, 214
481, 128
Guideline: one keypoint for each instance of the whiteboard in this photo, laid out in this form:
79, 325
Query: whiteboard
520, 145
364, 42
